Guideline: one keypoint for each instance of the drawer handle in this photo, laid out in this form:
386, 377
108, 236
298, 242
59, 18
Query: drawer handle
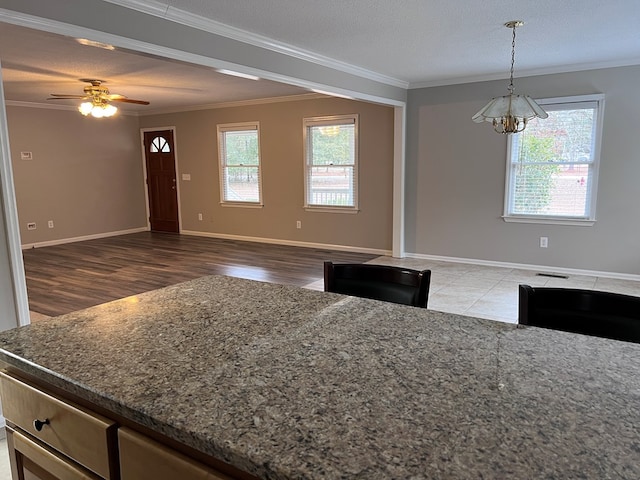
38, 424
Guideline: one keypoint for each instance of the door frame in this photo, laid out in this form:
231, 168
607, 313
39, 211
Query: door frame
144, 171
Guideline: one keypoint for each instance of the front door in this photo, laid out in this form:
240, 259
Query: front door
161, 181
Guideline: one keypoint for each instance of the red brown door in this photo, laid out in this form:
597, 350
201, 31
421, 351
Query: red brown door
161, 181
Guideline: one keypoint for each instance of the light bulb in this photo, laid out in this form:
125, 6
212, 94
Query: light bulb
110, 110
85, 108
97, 112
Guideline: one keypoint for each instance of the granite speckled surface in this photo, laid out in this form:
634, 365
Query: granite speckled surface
285, 383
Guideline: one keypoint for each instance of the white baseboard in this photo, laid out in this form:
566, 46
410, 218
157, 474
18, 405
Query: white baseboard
291, 243
524, 266
83, 238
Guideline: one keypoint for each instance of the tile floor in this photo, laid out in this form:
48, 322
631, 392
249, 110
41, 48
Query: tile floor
491, 292
5, 469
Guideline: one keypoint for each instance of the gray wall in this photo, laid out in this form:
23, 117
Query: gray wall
456, 175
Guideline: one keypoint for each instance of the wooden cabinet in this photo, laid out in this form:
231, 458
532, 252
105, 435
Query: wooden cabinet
46, 430
50, 438
31, 460
143, 459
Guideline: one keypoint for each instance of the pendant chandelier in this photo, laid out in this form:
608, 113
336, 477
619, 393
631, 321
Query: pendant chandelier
510, 114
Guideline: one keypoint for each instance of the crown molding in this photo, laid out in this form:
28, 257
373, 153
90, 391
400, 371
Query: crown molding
167, 12
239, 103
527, 73
162, 111
49, 106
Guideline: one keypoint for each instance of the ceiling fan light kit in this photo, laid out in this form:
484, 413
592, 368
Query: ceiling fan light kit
97, 111
97, 100
510, 114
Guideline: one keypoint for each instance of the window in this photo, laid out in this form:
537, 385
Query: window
552, 166
160, 144
331, 163
239, 156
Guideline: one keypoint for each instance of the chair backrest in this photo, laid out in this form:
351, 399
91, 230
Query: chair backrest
591, 312
380, 282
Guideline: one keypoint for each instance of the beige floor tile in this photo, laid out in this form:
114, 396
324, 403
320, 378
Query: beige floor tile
587, 283
5, 468
451, 301
626, 287
475, 282
492, 309
503, 292
497, 273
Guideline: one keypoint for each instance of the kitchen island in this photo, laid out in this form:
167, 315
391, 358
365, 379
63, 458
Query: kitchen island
281, 382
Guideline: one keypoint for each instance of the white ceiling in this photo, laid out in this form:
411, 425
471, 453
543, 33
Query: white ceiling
438, 41
411, 42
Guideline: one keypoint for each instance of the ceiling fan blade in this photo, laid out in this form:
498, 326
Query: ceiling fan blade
56, 96
129, 100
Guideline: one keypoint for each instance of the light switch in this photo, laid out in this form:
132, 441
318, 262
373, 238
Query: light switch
186, 176
26, 156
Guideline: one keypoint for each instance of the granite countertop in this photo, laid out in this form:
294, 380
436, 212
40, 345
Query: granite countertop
283, 382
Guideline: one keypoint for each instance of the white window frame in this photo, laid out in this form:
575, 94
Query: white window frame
560, 103
237, 127
351, 119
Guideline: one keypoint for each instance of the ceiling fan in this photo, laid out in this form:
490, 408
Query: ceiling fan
98, 99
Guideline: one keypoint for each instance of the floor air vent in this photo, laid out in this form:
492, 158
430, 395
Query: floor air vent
552, 275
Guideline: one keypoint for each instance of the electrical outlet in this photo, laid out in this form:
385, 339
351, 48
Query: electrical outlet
544, 242
200, 216
50, 224
31, 226
298, 224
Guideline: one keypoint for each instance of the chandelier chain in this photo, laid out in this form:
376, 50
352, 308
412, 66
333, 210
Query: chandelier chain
513, 58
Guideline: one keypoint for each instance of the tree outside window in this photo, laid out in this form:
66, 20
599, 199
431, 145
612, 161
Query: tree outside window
552, 165
331, 162
239, 155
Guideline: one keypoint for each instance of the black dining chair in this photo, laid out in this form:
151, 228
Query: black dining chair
590, 312
380, 282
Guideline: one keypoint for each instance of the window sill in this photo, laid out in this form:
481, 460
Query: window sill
349, 210
242, 205
549, 220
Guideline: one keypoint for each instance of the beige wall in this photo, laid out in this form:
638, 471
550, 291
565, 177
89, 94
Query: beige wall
86, 174
456, 175
282, 174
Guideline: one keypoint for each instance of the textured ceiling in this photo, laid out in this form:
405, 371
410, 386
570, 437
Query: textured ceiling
415, 42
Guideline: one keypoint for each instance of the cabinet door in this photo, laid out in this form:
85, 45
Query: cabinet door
144, 459
32, 461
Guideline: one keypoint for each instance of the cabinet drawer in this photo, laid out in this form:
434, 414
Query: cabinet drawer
37, 461
72, 430
144, 459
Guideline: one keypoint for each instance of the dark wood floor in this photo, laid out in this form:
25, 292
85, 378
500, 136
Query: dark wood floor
69, 277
